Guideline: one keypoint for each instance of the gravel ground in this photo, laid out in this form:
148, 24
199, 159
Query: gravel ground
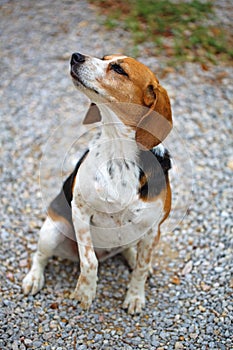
189, 296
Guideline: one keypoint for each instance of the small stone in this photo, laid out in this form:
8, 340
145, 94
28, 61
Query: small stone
205, 287
179, 345
154, 341
219, 269
98, 337
209, 329
10, 276
130, 335
15, 345
37, 344
27, 342
81, 347
6, 302
187, 268
47, 335
201, 308
23, 263
193, 335
163, 335
53, 324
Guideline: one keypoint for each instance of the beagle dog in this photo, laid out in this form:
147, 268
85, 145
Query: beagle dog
118, 194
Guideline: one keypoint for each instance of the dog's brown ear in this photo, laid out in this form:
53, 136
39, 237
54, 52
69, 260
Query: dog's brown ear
156, 124
93, 115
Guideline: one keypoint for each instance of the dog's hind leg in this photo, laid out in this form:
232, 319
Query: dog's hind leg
54, 239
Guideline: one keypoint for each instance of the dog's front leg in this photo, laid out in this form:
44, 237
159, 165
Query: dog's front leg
85, 290
135, 297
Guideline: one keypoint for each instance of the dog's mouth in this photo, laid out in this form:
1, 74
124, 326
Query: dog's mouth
79, 82
75, 76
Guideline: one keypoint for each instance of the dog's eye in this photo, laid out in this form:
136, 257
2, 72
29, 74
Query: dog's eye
118, 69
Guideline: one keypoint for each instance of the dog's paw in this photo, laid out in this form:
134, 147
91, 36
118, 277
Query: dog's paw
84, 293
134, 303
33, 282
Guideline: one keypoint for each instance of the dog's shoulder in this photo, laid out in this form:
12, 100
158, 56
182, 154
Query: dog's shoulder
61, 205
154, 167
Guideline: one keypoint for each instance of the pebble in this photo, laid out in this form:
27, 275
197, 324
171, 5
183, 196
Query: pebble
188, 296
37, 344
27, 342
179, 345
154, 341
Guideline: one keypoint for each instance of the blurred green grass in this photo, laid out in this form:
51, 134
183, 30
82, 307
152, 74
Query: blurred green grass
181, 31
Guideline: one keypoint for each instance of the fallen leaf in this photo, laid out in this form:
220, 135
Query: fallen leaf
216, 31
204, 67
175, 280
54, 306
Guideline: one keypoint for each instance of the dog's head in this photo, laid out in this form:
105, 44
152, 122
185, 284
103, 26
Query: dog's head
122, 79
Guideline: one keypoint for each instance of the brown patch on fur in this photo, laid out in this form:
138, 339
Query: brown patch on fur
150, 199
143, 181
167, 209
55, 217
141, 88
83, 280
82, 231
92, 266
86, 254
168, 201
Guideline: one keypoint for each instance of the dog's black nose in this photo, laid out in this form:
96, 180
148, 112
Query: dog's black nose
77, 58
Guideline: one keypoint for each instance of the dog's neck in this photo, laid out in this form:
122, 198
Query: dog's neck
118, 139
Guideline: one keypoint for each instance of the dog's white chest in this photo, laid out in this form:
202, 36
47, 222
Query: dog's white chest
108, 184
108, 179
107, 188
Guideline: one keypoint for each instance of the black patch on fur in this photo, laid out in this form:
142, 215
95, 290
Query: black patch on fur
126, 165
61, 205
110, 169
153, 175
